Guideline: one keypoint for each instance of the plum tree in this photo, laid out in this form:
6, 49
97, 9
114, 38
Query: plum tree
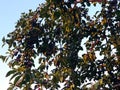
45, 48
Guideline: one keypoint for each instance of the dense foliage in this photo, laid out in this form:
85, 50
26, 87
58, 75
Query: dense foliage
46, 50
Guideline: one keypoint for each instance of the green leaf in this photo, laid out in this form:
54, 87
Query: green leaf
27, 76
57, 14
16, 79
3, 39
10, 72
3, 58
14, 75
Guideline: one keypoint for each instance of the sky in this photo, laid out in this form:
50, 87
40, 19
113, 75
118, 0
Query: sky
10, 12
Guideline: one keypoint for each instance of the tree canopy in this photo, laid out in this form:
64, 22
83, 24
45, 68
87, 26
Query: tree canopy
46, 50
